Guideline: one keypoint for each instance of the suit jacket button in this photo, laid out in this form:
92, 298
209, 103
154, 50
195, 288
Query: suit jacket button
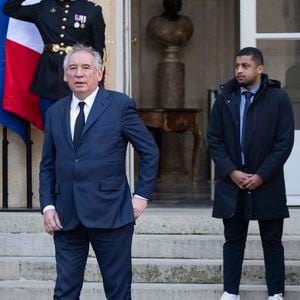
76, 160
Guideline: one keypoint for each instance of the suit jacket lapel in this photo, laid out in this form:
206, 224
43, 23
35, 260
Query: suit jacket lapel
66, 121
100, 104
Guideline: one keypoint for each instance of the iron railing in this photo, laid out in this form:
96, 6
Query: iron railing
5, 191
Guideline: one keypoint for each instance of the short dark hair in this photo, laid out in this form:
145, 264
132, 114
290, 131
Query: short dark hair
256, 54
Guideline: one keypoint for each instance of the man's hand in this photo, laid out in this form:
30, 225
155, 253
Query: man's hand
138, 206
51, 221
240, 178
253, 182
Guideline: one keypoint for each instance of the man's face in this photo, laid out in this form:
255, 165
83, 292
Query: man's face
82, 75
247, 72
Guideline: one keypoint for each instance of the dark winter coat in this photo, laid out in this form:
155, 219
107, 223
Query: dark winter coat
269, 141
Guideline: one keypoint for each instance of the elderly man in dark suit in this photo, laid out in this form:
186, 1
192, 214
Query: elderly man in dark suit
84, 193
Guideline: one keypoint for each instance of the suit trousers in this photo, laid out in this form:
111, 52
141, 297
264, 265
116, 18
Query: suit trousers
112, 248
235, 232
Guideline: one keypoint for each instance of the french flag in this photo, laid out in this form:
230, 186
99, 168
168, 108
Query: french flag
23, 48
7, 119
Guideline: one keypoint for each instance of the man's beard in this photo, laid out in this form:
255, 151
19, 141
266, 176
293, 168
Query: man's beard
244, 83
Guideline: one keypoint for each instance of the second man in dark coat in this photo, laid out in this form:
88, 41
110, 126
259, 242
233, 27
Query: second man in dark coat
250, 136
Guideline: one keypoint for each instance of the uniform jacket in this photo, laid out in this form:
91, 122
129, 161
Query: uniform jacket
56, 22
269, 141
90, 185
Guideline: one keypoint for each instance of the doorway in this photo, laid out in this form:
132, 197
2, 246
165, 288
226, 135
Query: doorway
280, 43
208, 61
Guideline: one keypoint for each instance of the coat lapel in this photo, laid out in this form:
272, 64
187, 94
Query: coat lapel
100, 104
232, 99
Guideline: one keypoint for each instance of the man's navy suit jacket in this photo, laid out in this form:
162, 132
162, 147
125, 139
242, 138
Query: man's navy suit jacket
90, 186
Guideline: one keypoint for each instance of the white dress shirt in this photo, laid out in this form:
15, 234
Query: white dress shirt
74, 110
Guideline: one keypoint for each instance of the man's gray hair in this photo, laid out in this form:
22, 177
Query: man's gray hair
80, 47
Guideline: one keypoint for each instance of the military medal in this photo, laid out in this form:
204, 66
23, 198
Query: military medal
53, 10
83, 20
80, 21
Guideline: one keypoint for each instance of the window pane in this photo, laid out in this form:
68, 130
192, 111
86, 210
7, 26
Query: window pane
282, 62
278, 16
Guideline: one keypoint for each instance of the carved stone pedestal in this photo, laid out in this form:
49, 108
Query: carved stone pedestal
171, 80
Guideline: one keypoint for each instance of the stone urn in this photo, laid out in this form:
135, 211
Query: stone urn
173, 32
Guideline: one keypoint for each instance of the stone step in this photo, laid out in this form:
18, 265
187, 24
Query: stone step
150, 246
153, 221
192, 271
43, 290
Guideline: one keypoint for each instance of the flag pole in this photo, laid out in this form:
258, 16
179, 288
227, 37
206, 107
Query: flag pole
4, 168
29, 165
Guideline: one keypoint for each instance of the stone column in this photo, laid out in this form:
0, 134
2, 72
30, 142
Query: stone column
172, 31
170, 84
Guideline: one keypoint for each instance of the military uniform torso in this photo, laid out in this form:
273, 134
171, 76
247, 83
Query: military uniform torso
61, 23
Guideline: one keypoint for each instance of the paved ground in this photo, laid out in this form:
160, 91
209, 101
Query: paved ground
180, 194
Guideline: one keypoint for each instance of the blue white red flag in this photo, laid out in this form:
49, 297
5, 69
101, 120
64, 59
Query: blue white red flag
7, 119
23, 48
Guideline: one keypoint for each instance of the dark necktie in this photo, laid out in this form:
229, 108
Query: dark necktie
248, 96
79, 124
